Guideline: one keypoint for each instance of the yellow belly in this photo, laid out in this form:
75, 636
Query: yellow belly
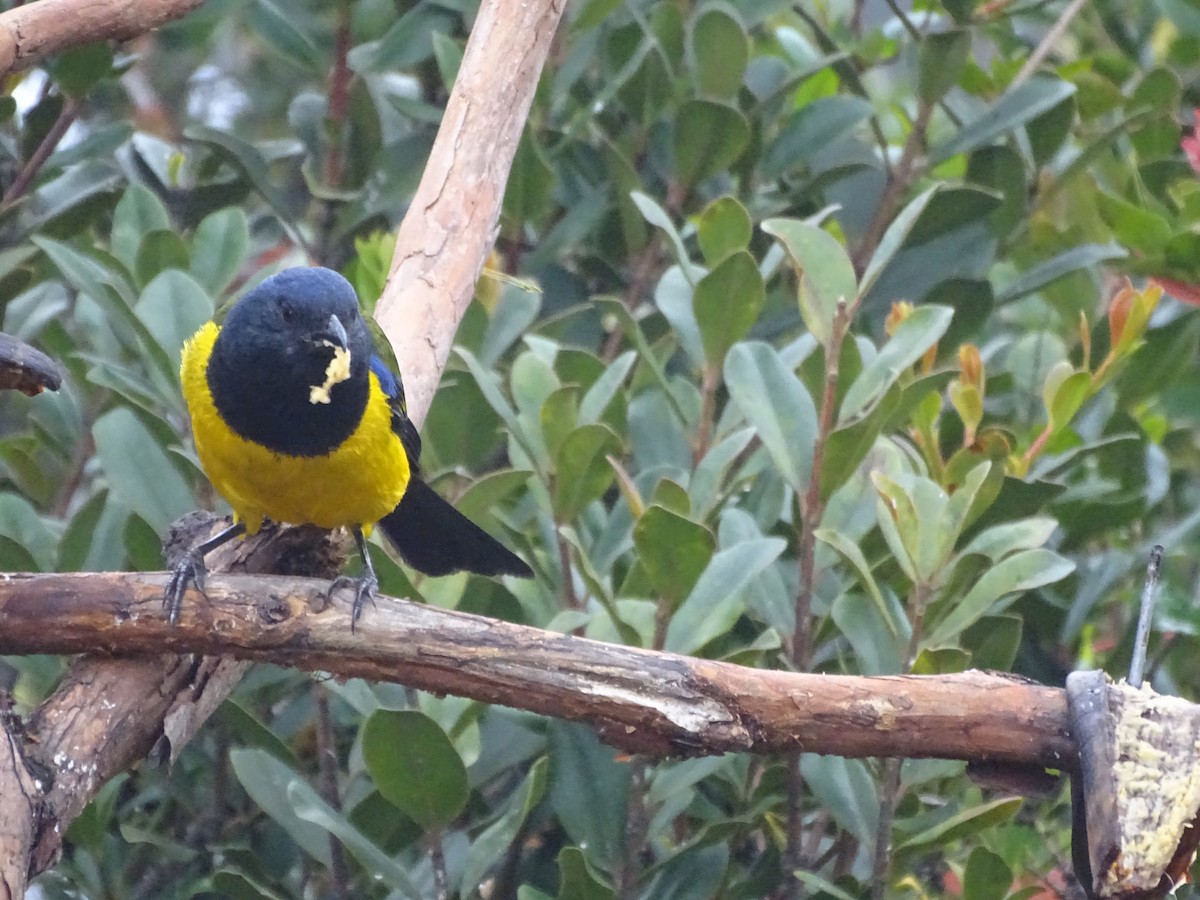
356, 484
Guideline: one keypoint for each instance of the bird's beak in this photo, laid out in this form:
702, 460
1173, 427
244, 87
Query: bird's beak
334, 334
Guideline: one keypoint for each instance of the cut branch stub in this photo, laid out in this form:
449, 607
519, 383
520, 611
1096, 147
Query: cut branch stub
1140, 760
26, 369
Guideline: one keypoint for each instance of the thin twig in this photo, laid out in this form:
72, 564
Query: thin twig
327, 781
1137, 665
1042, 50
23, 181
812, 508
339, 93
628, 875
889, 797
882, 864
901, 178
644, 267
437, 862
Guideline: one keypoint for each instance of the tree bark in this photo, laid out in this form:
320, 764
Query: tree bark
451, 225
30, 33
640, 700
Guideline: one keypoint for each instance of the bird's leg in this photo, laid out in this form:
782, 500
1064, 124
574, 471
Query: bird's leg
191, 570
366, 586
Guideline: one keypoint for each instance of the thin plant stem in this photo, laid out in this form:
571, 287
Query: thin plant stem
24, 180
327, 771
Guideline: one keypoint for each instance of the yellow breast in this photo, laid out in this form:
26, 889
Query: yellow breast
357, 483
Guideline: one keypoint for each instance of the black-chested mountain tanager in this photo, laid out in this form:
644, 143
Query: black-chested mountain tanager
297, 420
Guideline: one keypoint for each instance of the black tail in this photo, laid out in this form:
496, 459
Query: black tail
435, 538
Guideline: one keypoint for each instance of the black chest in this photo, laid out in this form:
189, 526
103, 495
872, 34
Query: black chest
264, 396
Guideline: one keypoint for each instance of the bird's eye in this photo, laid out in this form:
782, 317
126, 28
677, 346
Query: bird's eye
352, 314
287, 311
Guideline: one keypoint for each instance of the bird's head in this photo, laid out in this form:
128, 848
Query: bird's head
293, 353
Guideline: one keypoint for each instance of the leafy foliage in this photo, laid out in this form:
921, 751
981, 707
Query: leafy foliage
804, 346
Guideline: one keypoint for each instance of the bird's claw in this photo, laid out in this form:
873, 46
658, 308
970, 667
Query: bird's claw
366, 587
190, 570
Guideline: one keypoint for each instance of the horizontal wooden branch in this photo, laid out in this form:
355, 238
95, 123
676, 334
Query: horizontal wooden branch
639, 700
31, 32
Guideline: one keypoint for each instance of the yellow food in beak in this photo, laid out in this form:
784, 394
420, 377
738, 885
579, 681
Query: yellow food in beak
336, 372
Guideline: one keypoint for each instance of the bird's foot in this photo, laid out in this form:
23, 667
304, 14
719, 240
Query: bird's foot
188, 571
366, 587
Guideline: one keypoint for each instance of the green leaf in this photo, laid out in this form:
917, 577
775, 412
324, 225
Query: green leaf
826, 273
576, 879
895, 237
811, 130
581, 471
673, 550
714, 603
159, 251
21, 524
1000, 540
448, 55
138, 212
279, 31
588, 791
987, 876
849, 444
530, 186
724, 227
845, 788
964, 824
236, 884
138, 470
310, 807
674, 295
415, 766
951, 208
1064, 392
709, 136
408, 42
853, 555
727, 302
248, 160
1017, 107
775, 402
876, 650
219, 248
266, 780
657, 216
492, 843
559, 416
78, 69
173, 307
1085, 256
1136, 227
993, 642
916, 334
1049, 131
606, 388
941, 58
812, 880
896, 516
718, 50
1023, 571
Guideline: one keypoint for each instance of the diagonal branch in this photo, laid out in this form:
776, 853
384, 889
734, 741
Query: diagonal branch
451, 225
640, 700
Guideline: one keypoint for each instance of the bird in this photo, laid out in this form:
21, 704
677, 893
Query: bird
297, 419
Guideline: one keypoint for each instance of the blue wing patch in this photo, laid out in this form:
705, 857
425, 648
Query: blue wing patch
402, 425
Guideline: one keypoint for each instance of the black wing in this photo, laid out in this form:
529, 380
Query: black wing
393, 388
